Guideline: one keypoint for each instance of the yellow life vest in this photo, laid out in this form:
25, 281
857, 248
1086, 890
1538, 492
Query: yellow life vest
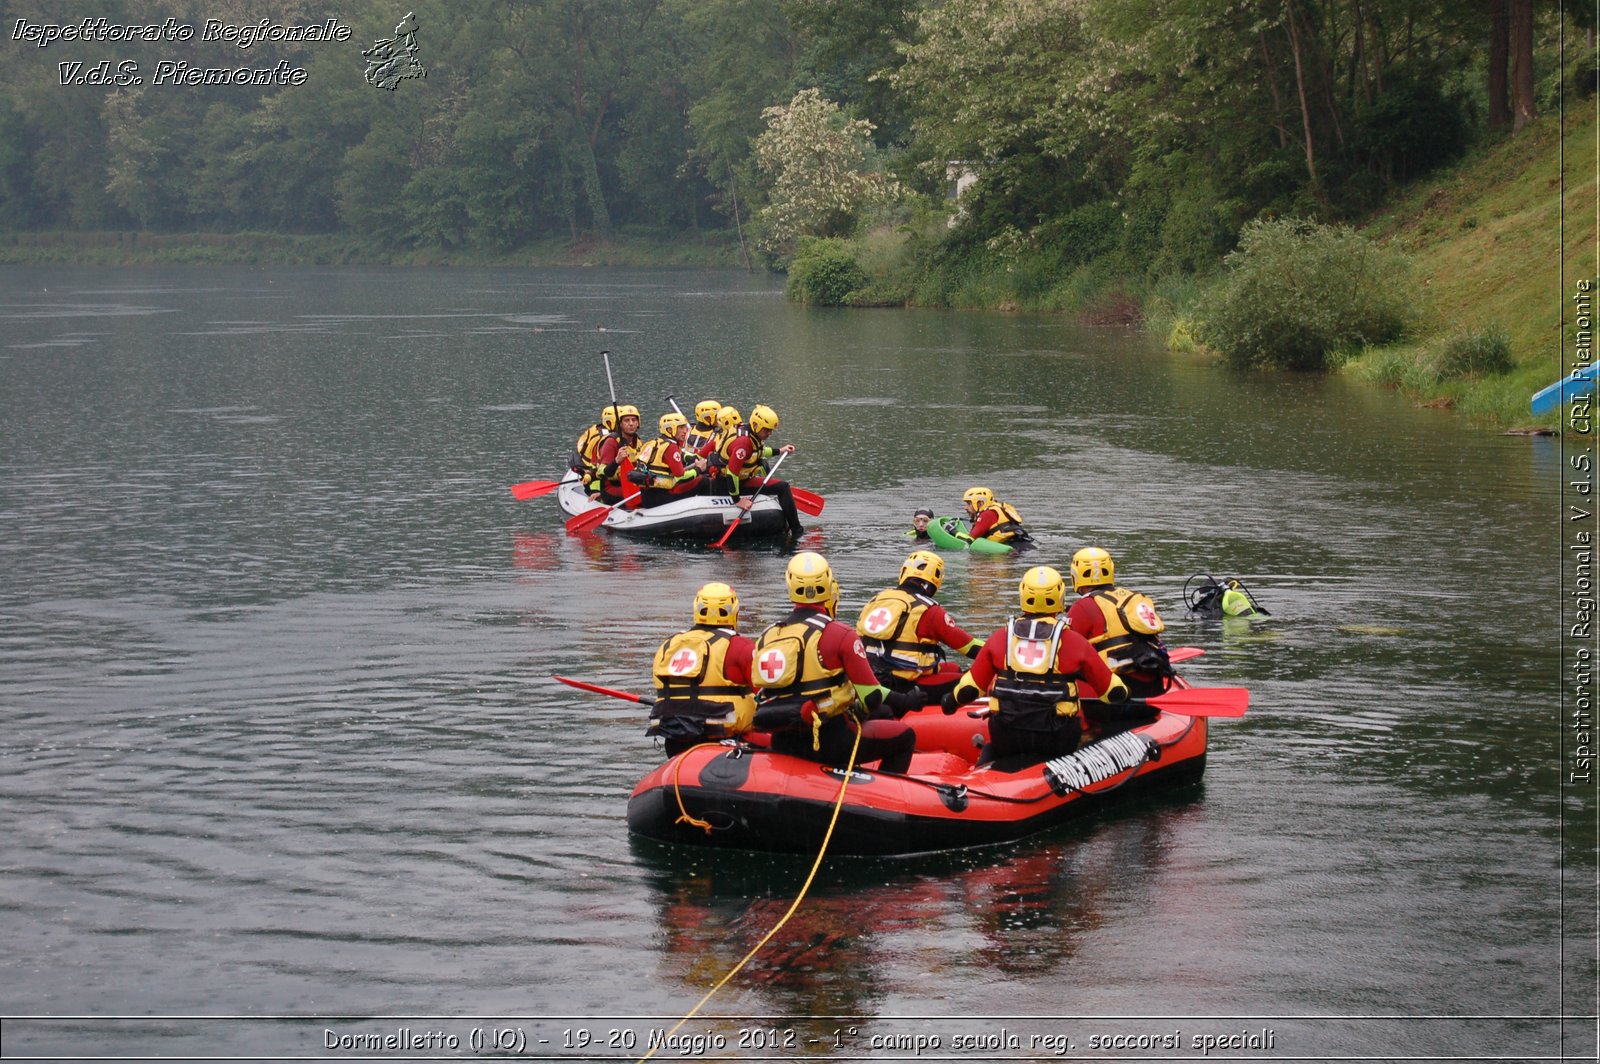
691, 678
755, 465
652, 458
1029, 690
888, 629
788, 666
588, 446
699, 436
1007, 526
1132, 625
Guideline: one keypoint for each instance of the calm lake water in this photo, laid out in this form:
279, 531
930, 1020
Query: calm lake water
284, 773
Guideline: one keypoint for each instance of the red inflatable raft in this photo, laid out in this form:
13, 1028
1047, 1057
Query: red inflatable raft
737, 796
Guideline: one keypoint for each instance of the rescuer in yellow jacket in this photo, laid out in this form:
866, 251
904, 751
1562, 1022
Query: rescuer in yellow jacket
702, 676
816, 686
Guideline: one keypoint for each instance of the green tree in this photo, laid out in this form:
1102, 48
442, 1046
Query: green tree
746, 63
820, 164
850, 51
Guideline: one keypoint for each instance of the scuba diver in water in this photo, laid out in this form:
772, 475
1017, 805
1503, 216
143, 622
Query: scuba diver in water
1212, 599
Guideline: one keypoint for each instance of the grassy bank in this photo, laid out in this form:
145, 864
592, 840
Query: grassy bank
635, 248
1499, 243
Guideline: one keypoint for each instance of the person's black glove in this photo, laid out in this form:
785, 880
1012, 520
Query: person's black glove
903, 702
639, 476
948, 703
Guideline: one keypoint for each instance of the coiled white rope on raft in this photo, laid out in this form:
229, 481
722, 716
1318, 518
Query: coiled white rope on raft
798, 898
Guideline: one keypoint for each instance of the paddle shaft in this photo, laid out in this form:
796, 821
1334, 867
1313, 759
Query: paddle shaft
605, 356
597, 689
753, 495
1192, 702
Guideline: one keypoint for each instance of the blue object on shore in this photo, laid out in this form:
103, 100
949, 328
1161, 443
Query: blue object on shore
1579, 382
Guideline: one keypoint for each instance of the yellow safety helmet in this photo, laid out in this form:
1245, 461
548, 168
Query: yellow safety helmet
626, 410
1042, 590
728, 419
923, 565
978, 497
716, 603
608, 418
763, 417
810, 578
670, 423
705, 411
1092, 567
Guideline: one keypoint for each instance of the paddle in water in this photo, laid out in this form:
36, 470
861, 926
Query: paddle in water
753, 495
590, 518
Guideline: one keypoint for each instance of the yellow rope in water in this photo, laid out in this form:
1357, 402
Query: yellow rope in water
826, 838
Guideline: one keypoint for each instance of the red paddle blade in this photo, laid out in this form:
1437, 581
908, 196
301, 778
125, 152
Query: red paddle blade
532, 489
1178, 655
1203, 701
589, 518
807, 501
726, 533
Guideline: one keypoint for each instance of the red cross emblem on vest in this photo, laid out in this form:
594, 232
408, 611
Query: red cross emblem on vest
772, 664
683, 662
1030, 652
878, 619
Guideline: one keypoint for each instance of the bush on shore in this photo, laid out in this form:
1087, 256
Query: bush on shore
824, 273
1298, 295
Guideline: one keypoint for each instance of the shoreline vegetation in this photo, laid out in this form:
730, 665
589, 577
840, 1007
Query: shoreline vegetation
1488, 241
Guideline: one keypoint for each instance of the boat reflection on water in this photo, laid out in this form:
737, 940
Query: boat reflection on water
535, 551
545, 552
1012, 912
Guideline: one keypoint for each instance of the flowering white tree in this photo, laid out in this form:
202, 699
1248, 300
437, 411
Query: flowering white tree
820, 165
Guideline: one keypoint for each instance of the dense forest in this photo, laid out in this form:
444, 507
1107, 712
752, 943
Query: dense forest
1142, 134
